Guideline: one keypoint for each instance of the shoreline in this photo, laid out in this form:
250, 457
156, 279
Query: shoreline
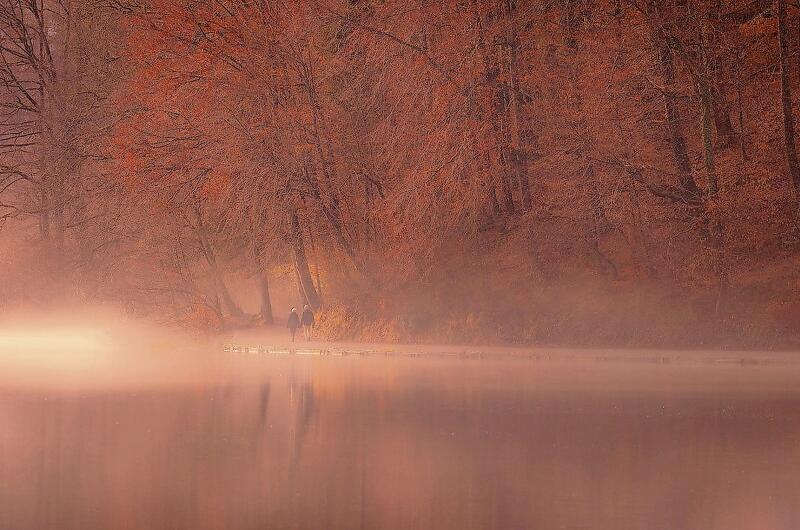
267, 343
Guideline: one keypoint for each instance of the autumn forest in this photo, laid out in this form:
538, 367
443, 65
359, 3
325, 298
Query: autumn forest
604, 172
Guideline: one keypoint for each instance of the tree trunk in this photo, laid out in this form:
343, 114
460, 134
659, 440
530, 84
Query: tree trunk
677, 141
321, 145
715, 70
211, 259
786, 100
505, 181
698, 66
305, 283
584, 140
492, 191
44, 215
58, 225
331, 208
641, 248
493, 200
327, 199
332, 214
217, 309
315, 256
722, 116
709, 158
742, 135
497, 109
715, 224
519, 159
266, 302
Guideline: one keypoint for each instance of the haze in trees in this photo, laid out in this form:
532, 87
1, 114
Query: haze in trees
505, 171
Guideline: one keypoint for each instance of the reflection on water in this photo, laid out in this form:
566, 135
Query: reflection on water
397, 444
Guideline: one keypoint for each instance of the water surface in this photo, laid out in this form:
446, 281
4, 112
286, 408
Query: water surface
409, 443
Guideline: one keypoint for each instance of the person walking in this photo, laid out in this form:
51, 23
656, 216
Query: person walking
308, 322
293, 323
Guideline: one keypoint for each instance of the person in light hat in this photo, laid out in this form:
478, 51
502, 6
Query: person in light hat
293, 323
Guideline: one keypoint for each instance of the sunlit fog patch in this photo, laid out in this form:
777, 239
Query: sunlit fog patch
55, 347
54, 339
88, 349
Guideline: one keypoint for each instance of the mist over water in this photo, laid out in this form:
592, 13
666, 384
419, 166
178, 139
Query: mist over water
85, 349
100, 429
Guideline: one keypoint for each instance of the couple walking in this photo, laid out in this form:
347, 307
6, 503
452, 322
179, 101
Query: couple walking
307, 321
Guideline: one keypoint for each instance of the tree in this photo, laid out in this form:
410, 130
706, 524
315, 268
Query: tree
786, 99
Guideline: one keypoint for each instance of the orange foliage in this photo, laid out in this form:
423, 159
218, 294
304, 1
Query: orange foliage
461, 160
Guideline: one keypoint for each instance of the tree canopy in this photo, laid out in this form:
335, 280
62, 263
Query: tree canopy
503, 170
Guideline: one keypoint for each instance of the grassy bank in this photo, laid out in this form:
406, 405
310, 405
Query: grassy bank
607, 316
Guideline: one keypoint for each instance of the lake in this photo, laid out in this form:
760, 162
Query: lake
350, 443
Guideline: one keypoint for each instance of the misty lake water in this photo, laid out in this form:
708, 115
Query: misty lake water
410, 444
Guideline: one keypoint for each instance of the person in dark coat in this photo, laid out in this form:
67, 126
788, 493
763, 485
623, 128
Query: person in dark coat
308, 322
293, 323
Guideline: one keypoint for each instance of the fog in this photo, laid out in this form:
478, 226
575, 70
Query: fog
111, 422
84, 348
